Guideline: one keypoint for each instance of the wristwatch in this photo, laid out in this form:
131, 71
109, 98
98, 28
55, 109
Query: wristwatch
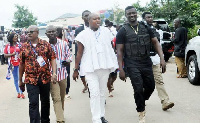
75, 69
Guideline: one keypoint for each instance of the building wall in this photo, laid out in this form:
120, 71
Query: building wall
65, 22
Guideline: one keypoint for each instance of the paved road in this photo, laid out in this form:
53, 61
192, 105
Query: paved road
119, 109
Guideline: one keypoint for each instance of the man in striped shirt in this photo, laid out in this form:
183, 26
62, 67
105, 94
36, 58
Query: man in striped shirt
63, 58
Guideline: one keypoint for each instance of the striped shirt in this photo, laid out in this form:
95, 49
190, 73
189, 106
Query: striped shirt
63, 53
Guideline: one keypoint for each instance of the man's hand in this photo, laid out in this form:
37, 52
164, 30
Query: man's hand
14, 53
22, 86
75, 75
122, 75
54, 78
163, 65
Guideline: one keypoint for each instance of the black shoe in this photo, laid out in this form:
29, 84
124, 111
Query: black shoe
103, 120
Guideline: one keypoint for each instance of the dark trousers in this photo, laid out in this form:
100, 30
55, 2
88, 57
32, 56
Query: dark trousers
2, 59
143, 83
68, 79
33, 94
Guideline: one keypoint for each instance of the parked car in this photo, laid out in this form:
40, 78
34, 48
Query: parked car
167, 45
192, 60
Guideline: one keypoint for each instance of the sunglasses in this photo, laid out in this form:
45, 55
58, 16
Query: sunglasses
31, 32
50, 32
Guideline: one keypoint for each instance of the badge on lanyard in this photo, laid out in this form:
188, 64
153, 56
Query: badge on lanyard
41, 61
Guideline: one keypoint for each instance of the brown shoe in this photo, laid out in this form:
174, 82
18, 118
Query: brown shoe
167, 105
85, 90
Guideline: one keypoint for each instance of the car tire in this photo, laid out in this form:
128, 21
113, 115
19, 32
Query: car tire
193, 70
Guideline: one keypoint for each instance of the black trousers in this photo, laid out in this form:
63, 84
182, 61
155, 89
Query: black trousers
68, 79
33, 94
2, 59
143, 83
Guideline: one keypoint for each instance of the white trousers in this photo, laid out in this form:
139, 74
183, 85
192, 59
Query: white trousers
97, 83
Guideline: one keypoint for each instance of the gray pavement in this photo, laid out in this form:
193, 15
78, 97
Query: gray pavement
119, 109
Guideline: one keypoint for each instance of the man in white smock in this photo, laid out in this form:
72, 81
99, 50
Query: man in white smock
98, 60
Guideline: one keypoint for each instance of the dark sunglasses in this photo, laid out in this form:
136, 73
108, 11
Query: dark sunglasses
50, 32
31, 32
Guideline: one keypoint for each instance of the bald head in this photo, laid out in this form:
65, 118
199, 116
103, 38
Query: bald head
177, 20
33, 28
92, 15
50, 28
177, 23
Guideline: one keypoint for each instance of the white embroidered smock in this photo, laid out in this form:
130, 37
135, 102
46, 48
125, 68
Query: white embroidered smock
98, 52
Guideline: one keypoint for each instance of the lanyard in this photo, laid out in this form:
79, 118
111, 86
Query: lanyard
34, 50
97, 36
136, 31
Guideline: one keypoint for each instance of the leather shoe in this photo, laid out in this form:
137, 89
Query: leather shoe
167, 105
103, 120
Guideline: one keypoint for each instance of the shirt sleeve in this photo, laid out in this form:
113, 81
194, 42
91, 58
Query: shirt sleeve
22, 55
80, 38
51, 53
121, 36
110, 35
151, 33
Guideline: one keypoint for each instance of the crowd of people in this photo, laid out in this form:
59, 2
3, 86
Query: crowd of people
101, 53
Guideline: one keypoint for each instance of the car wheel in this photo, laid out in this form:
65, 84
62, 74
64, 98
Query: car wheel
193, 70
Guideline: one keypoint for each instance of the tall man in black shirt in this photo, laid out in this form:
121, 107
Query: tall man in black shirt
180, 43
133, 48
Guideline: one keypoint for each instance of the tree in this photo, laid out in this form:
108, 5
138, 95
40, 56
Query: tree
23, 18
187, 10
118, 15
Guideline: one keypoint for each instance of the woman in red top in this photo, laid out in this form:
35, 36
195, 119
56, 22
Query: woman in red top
11, 52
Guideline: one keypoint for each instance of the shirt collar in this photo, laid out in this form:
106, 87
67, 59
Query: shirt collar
40, 41
85, 27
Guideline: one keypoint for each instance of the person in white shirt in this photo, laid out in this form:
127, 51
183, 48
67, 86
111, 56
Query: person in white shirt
97, 60
162, 93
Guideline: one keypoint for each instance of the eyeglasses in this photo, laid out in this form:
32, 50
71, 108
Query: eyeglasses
31, 32
51, 32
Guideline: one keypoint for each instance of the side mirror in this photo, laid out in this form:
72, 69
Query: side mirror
198, 32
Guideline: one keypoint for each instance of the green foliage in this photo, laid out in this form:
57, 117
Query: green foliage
187, 10
193, 31
138, 7
118, 15
23, 18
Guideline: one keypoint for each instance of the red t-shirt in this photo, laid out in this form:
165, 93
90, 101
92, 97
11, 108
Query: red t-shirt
14, 60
